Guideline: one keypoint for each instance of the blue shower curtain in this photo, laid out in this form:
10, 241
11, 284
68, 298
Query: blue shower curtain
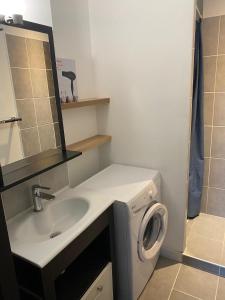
196, 172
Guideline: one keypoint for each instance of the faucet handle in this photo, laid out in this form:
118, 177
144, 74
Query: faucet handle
37, 186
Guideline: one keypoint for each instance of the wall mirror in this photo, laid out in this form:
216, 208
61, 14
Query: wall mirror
29, 121
30, 115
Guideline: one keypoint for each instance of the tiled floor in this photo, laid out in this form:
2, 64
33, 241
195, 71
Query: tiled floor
174, 281
206, 239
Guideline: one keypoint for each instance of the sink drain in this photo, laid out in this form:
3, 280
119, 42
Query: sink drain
55, 234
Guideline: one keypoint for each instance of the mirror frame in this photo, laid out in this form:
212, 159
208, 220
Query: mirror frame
47, 30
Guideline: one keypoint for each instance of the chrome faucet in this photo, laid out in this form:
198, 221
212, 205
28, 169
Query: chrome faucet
37, 196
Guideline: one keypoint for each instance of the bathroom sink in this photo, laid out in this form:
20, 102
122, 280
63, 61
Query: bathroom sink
56, 218
39, 236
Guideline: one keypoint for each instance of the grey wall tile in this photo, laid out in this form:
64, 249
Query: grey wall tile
26, 111
216, 202
39, 83
209, 73
217, 171
48, 62
47, 137
18, 198
200, 6
204, 200
30, 140
218, 142
222, 36
43, 111
220, 75
51, 88
210, 34
57, 135
54, 110
208, 108
22, 83
36, 54
219, 110
17, 51
206, 171
207, 141
56, 178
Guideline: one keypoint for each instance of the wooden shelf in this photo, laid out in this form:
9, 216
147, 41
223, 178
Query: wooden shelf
90, 143
86, 102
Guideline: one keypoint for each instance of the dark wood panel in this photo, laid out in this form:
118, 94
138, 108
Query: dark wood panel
30, 167
74, 249
80, 275
8, 283
91, 250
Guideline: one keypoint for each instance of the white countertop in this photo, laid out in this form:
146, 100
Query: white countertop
41, 253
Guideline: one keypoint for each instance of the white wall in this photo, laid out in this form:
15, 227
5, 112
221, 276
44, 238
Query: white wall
38, 11
213, 8
72, 40
142, 52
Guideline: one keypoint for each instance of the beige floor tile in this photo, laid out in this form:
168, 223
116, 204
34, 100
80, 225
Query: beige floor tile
223, 259
209, 226
161, 283
204, 248
181, 296
221, 289
197, 283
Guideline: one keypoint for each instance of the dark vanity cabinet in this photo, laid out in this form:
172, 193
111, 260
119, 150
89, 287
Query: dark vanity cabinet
71, 273
8, 284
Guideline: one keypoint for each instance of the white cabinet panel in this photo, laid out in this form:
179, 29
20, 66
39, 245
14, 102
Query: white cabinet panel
102, 288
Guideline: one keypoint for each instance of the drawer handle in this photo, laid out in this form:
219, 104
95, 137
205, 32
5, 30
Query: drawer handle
100, 288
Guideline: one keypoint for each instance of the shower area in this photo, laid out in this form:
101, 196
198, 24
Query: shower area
205, 236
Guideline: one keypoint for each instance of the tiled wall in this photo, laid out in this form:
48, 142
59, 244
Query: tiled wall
19, 198
31, 70
213, 201
200, 6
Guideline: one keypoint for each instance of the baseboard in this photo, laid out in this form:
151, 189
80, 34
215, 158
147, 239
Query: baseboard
171, 254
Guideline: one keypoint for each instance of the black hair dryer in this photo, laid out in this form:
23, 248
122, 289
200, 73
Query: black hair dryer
72, 77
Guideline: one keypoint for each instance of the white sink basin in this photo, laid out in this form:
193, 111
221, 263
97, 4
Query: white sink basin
57, 217
40, 236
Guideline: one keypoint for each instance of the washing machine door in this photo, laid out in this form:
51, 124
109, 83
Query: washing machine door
152, 231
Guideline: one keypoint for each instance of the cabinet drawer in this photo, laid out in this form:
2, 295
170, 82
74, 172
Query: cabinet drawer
102, 287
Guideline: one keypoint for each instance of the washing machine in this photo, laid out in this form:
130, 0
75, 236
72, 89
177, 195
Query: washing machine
140, 223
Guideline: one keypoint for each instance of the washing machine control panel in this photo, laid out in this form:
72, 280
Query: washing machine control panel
144, 199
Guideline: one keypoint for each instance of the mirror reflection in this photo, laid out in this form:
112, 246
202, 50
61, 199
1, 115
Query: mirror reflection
28, 115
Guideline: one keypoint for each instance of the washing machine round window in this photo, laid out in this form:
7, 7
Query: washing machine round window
152, 231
